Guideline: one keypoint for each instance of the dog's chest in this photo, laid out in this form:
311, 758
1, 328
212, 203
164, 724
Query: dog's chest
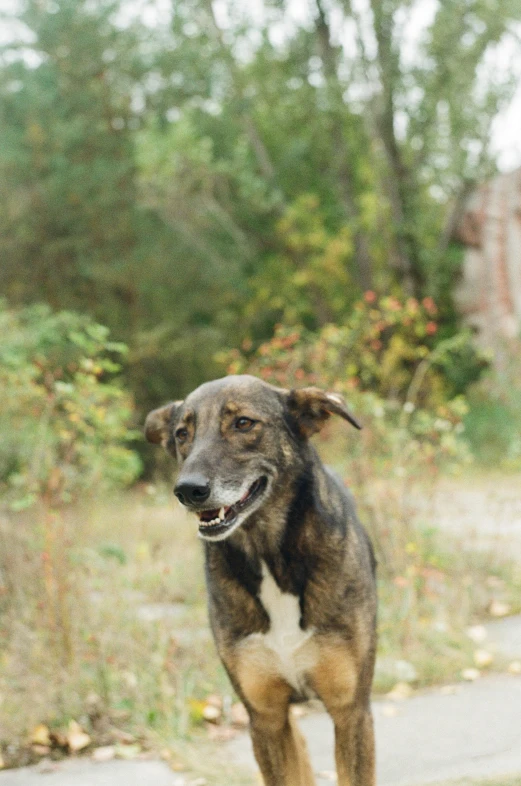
284, 641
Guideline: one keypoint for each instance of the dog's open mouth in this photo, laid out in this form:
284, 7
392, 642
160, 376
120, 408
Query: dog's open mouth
215, 522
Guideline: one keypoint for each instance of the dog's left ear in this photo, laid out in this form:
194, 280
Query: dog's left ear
311, 407
158, 422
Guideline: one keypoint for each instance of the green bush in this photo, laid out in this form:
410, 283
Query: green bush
383, 359
64, 422
493, 423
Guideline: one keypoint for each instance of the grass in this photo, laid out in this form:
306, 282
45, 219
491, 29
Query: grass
103, 618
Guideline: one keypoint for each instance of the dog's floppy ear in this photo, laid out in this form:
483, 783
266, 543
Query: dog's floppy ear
158, 421
311, 407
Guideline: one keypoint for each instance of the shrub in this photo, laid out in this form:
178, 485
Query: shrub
64, 423
385, 346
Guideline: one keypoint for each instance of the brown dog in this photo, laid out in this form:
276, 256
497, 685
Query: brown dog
290, 570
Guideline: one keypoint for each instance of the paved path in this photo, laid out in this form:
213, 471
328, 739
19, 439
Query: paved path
433, 737
84, 772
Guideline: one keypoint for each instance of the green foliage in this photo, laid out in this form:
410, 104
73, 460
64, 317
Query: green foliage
307, 281
66, 163
64, 420
177, 179
493, 422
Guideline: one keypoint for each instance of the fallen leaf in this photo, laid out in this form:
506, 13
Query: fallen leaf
211, 713
41, 735
483, 658
477, 633
239, 715
499, 609
471, 674
77, 739
400, 692
104, 753
197, 708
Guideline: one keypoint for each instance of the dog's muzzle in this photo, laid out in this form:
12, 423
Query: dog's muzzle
217, 523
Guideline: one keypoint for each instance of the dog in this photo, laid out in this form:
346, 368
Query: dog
290, 570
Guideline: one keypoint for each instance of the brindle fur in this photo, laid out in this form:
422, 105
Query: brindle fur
307, 534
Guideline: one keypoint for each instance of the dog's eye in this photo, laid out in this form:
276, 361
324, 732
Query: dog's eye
181, 435
244, 424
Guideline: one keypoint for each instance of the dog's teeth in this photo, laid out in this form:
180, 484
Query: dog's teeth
210, 523
221, 514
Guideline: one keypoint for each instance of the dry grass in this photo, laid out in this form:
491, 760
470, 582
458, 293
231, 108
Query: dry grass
82, 625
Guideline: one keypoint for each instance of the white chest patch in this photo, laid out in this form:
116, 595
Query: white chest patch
285, 638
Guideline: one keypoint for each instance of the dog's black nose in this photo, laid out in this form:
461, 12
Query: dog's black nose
193, 490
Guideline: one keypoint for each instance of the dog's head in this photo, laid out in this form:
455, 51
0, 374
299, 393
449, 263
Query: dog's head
235, 439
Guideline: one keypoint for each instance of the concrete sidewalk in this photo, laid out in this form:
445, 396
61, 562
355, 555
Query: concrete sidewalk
475, 731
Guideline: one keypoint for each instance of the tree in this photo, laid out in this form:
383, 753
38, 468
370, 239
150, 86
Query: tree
70, 228
238, 165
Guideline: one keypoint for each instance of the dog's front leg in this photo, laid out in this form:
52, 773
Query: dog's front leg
354, 746
337, 682
278, 744
280, 749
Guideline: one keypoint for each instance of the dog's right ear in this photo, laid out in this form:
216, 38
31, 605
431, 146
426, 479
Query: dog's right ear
158, 422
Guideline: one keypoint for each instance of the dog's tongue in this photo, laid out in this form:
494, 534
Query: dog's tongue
208, 515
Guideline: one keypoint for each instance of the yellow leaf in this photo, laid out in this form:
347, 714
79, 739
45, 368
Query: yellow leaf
401, 691
41, 735
483, 658
77, 739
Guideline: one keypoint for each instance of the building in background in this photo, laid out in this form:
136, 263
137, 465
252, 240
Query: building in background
489, 293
